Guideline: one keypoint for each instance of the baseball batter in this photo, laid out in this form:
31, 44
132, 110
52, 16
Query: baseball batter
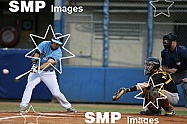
150, 93
48, 52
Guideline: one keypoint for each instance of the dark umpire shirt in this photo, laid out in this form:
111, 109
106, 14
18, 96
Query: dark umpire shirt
175, 59
164, 77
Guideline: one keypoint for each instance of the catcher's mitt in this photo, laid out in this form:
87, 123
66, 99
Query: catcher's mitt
118, 94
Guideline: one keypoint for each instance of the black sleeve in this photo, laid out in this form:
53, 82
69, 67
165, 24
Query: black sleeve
33, 60
51, 58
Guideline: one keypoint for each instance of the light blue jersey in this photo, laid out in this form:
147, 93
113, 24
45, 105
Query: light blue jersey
46, 53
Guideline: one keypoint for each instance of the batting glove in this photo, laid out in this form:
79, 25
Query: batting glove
34, 68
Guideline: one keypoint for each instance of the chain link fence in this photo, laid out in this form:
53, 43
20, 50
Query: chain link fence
127, 30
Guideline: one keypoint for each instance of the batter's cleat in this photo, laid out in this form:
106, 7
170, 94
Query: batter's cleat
23, 110
118, 94
71, 109
148, 112
170, 113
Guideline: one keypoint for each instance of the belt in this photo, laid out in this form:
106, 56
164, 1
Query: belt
49, 70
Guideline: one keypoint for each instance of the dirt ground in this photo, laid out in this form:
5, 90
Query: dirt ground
33, 117
79, 118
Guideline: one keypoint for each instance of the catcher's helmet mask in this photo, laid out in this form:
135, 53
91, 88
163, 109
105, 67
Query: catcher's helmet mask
167, 40
151, 64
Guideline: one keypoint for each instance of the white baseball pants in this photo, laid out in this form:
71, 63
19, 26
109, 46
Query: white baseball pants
172, 97
49, 78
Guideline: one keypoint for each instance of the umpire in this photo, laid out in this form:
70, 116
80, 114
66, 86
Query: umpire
174, 61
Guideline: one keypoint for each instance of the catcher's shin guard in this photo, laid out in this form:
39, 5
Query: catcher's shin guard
118, 94
169, 109
151, 110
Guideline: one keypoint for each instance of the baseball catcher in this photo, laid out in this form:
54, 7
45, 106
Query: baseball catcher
156, 77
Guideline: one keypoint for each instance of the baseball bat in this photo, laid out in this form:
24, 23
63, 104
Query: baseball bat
18, 78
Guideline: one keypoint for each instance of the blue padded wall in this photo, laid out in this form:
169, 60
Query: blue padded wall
89, 84
79, 84
16, 63
123, 77
82, 84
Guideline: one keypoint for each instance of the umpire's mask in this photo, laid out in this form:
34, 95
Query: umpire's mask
167, 40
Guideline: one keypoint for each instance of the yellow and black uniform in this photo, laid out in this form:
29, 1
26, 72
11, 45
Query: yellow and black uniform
169, 89
151, 93
162, 77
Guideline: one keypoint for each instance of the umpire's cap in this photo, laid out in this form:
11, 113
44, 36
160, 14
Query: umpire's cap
57, 37
170, 36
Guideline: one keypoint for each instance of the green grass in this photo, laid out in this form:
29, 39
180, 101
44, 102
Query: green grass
131, 111
55, 107
92, 109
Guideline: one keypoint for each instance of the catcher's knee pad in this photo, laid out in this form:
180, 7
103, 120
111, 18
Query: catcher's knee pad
155, 93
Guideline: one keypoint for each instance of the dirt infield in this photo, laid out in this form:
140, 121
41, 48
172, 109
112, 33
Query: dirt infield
37, 114
79, 118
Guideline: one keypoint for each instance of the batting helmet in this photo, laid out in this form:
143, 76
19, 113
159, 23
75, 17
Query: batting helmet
151, 64
56, 38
